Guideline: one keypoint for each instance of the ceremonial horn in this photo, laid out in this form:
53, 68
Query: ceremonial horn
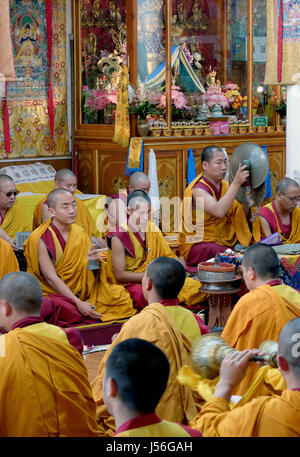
209, 350
253, 192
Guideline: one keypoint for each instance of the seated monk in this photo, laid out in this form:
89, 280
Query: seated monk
134, 245
282, 215
210, 203
13, 218
116, 205
44, 382
57, 254
260, 314
9, 261
264, 416
171, 328
136, 366
66, 179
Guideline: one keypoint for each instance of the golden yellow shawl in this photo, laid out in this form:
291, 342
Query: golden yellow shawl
45, 385
226, 231
155, 324
15, 220
8, 262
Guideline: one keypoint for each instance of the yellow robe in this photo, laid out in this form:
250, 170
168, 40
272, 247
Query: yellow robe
8, 262
157, 246
83, 218
112, 301
258, 316
45, 386
15, 220
226, 231
295, 230
277, 416
155, 324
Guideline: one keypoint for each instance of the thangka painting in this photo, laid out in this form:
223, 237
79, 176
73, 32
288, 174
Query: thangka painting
27, 97
283, 64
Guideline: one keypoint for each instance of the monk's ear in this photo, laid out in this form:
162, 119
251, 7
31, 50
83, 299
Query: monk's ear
111, 388
282, 363
5, 308
51, 212
251, 274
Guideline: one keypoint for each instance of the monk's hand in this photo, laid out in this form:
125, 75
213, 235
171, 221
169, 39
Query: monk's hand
93, 254
13, 244
232, 371
87, 309
241, 175
99, 243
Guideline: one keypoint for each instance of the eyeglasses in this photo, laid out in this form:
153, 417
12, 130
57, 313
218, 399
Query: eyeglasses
10, 193
293, 199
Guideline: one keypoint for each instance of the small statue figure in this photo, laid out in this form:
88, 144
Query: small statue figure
181, 13
198, 19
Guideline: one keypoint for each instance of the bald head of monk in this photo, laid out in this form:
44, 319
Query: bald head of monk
287, 195
139, 210
163, 279
66, 179
288, 356
139, 181
214, 163
20, 297
62, 206
8, 192
260, 265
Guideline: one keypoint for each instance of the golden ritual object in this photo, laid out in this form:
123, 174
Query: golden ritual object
209, 350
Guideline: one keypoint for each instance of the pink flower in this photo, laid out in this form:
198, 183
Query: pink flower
177, 97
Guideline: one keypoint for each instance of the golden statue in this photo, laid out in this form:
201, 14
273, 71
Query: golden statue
211, 78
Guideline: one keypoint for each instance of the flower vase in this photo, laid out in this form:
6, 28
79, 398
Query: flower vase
216, 111
143, 127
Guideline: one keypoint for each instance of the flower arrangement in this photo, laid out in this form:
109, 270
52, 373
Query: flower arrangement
98, 99
215, 97
280, 104
178, 99
145, 102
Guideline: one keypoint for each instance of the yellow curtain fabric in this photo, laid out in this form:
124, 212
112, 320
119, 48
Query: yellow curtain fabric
122, 124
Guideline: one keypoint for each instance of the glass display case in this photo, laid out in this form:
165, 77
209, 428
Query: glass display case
196, 62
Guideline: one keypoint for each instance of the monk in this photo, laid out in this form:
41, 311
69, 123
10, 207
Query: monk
171, 328
66, 179
136, 366
44, 382
261, 314
13, 218
135, 244
57, 253
222, 221
8, 262
265, 416
282, 215
116, 206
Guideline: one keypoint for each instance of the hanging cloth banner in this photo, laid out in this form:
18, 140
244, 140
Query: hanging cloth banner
158, 76
283, 42
122, 122
268, 178
135, 157
49, 52
191, 167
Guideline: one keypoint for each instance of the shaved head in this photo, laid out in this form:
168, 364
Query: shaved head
62, 174
4, 178
137, 198
208, 153
22, 291
53, 196
289, 347
263, 260
139, 181
285, 184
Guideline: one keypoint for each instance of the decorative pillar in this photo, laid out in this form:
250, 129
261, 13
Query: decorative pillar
293, 133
